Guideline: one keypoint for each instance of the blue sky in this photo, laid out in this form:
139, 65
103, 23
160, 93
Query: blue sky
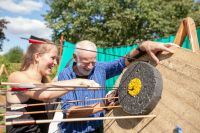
25, 19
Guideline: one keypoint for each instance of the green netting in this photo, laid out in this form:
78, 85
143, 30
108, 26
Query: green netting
68, 50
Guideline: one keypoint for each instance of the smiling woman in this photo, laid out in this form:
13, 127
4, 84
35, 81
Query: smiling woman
43, 55
38, 63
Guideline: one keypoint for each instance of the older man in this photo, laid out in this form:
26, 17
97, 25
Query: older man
86, 66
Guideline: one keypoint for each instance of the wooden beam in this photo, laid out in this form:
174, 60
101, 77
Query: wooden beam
61, 47
192, 34
6, 71
187, 27
1, 69
180, 35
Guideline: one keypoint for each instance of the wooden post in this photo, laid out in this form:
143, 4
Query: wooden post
187, 27
6, 71
61, 47
1, 130
192, 34
1, 69
180, 35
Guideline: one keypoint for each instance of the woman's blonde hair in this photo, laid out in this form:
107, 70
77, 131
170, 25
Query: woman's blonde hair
33, 49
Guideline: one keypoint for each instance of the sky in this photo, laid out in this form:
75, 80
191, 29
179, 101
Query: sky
25, 19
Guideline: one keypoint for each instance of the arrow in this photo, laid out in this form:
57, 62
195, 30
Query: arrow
32, 85
77, 119
19, 106
15, 113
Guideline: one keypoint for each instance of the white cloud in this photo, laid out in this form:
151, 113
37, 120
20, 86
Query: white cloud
22, 7
25, 27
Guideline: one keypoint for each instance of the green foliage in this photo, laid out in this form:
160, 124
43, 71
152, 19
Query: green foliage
3, 60
3, 23
3, 77
54, 71
14, 55
10, 67
118, 22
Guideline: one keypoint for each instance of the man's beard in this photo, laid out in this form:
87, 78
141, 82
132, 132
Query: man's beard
83, 71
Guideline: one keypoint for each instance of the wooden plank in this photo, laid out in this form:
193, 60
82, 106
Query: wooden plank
2, 69
6, 71
167, 119
192, 34
187, 27
180, 35
189, 85
189, 71
61, 47
2, 100
184, 112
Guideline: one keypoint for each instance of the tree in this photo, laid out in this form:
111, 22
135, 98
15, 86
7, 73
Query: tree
14, 55
3, 23
118, 22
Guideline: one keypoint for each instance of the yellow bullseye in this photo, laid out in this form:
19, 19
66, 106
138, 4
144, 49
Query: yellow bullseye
134, 87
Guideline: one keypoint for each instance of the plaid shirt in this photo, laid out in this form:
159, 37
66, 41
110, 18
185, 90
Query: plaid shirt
101, 72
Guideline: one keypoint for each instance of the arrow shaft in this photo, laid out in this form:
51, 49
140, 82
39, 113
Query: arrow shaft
71, 101
52, 111
77, 119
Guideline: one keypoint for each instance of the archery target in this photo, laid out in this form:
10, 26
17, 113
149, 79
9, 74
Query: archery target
140, 88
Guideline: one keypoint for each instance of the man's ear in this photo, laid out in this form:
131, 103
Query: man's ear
37, 57
75, 57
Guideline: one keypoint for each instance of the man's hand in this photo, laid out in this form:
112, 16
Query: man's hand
111, 101
154, 47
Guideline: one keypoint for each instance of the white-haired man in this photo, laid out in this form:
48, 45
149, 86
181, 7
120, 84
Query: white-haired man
86, 66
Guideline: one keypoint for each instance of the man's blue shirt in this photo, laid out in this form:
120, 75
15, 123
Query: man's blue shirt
101, 72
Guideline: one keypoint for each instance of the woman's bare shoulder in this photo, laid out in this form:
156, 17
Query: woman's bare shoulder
17, 73
17, 76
